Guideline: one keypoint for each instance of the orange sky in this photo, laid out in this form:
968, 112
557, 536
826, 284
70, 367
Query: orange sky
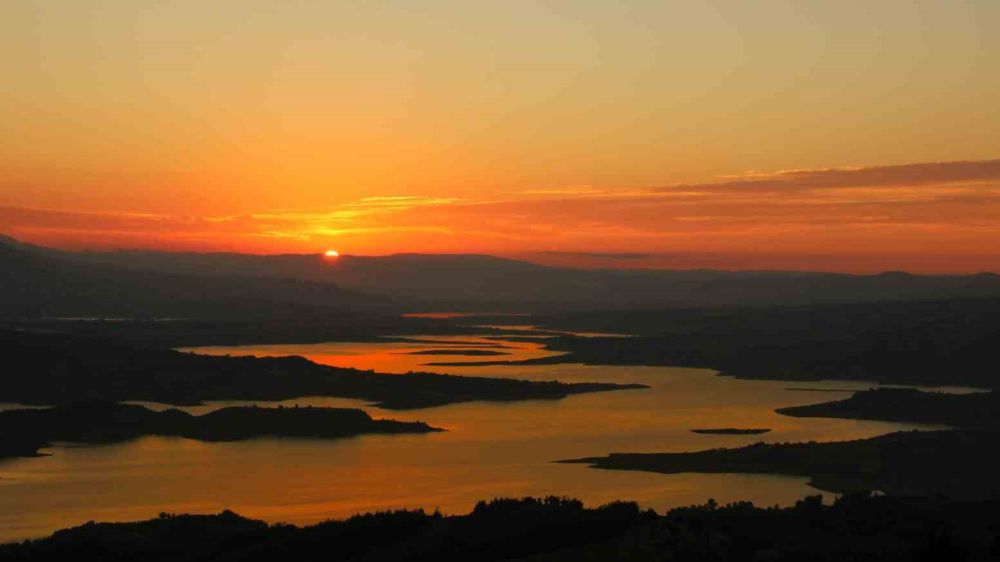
621, 134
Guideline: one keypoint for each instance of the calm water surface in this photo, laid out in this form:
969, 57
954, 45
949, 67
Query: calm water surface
490, 449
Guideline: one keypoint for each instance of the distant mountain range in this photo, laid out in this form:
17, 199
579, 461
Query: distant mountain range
38, 280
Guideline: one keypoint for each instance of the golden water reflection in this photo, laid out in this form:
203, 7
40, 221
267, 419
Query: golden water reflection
490, 449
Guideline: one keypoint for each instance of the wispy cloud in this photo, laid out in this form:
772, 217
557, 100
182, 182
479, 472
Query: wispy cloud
906, 175
951, 209
615, 256
403, 201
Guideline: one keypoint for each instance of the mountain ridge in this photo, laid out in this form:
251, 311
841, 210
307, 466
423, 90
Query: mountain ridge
482, 282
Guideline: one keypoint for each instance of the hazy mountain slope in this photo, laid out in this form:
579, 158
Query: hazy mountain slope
504, 284
472, 281
38, 282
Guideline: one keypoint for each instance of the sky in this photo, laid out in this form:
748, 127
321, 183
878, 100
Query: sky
847, 136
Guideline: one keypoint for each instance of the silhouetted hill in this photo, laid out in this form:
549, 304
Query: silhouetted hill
39, 281
856, 527
464, 281
57, 368
23, 432
932, 342
979, 410
958, 464
35, 282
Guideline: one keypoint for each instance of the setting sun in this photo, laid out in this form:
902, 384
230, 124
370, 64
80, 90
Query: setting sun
332, 254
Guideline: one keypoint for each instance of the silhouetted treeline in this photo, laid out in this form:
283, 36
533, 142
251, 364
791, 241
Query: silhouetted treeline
56, 368
933, 342
958, 463
980, 410
23, 432
856, 527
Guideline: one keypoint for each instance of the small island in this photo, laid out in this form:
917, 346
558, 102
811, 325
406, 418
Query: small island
24, 432
731, 431
459, 352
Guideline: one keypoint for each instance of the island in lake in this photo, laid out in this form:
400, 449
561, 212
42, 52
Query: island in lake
24, 432
731, 431
460, 352
957, 463
977, 410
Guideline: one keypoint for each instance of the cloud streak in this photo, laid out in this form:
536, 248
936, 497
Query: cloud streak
876, 176
617, 256
925, 216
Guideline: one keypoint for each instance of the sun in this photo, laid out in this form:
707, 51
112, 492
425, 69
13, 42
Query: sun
331, 253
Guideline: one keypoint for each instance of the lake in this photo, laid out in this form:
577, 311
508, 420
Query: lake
489, 450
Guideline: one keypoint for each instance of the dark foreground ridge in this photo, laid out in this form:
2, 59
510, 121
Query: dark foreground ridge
956, 463
24, 432
44, 369
980, 410
855, 527
731, 431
